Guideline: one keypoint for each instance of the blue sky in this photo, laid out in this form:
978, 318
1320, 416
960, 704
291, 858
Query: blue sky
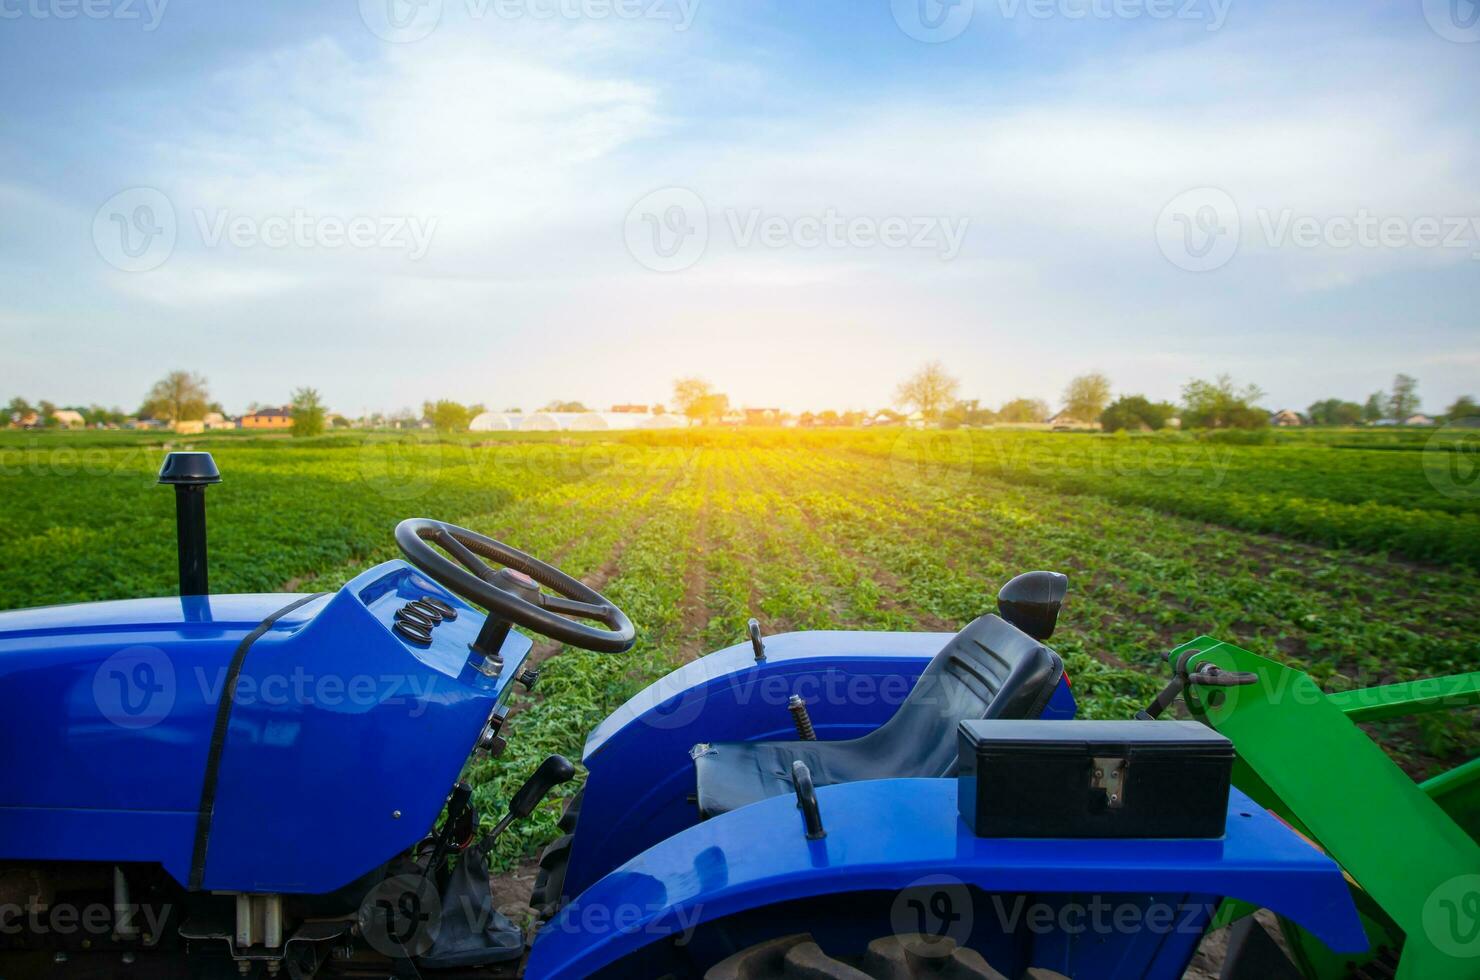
510, 201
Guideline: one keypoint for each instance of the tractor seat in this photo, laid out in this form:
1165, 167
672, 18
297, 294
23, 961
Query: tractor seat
990, 669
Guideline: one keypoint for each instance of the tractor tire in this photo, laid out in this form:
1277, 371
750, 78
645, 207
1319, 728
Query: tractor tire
549, 882
913, 957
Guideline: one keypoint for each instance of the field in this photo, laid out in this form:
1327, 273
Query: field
1355, 555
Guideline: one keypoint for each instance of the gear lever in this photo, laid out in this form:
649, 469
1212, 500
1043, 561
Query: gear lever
552, 772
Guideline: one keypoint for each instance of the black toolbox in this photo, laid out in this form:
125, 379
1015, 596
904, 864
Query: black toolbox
1093, 778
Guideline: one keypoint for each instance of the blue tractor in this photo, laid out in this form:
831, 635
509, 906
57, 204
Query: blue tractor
253, 785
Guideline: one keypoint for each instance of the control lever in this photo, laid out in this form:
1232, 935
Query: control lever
552, 772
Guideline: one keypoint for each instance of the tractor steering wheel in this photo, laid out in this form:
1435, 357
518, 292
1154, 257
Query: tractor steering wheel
512, 593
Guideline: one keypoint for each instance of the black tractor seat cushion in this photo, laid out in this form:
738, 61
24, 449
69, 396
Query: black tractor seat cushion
990, 669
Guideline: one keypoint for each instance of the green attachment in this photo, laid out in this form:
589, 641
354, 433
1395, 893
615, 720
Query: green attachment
1413, 698
1301, 755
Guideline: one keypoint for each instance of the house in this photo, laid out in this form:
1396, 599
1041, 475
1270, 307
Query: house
630, 409
1418, 419
1286, 418
189, 427
68, 418
268, 418
215, 420
762, 416
24, 420
1063, 422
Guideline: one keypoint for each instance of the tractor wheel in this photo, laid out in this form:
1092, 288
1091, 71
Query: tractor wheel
914, 957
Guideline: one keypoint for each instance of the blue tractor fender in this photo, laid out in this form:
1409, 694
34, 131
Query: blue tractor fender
640, 774
752, 874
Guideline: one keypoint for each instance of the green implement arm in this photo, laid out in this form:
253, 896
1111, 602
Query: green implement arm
1407, 848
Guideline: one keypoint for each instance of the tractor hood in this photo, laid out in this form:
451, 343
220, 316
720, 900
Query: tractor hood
231, 735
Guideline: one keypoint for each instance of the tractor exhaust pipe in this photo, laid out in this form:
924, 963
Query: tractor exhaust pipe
190, 474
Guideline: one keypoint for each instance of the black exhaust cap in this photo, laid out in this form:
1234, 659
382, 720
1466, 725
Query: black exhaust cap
190, 474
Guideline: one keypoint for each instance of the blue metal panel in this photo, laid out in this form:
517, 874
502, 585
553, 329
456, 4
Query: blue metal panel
345, 739
888, 834
107, 708
336, 724
640, 773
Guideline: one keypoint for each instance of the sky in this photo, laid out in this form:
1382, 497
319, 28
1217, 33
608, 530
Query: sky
514, 201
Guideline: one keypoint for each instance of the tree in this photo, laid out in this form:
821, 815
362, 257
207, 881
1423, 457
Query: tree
447, 416
930, 391
308, 412
1404, 401
47, 412
1334, 411
177, 396
1464, 407
1024, 410
697, 399
559, 406
1218, 404
1136, 413
1086, 397
1376, 408
18, 409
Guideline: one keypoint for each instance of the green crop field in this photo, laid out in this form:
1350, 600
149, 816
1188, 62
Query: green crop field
1354, 555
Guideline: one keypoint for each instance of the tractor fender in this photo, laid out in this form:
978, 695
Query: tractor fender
890, 834
640, 774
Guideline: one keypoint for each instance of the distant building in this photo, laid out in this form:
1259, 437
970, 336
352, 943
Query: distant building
215, 420
762, 416
1286, 418
1419, 419
268, 418
68, 419
24, 420
630, 409
189, 427
1063, 422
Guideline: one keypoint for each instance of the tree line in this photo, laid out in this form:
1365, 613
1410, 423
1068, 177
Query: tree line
1219, 403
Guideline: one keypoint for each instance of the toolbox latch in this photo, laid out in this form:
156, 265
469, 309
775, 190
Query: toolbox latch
1108, 773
